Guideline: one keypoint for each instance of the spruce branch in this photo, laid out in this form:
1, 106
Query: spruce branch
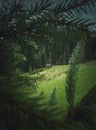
70, 86
85, 111
77, 6
17, 20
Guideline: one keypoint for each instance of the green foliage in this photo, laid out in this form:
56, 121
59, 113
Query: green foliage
30, 70
69, 13
18, 81
85, 111
18, 23
18, 112
72, 73
24, 26
86, 77
39, 77
52, 98
11, 57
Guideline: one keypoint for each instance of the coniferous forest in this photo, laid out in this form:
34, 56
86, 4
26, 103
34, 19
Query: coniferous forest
47, 65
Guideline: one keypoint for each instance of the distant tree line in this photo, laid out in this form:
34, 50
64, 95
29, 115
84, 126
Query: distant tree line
55, 50
90, 49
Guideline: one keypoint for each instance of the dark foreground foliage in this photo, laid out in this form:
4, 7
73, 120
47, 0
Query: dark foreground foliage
18, 25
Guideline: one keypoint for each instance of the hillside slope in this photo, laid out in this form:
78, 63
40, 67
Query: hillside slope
55, 78
86, 79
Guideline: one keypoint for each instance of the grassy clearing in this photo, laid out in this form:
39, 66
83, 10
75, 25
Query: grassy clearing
56, 76
86, 79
